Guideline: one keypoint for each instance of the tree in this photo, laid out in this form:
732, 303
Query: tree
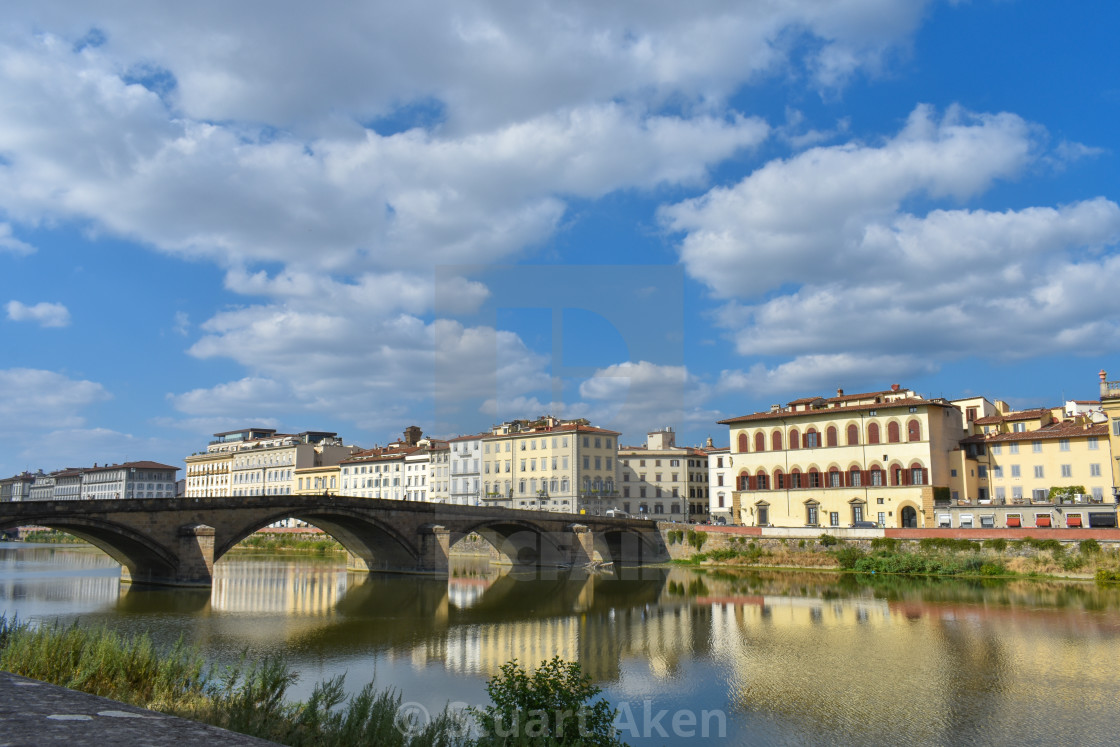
552, 705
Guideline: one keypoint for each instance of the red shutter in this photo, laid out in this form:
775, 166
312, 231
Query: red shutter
925, 476
750, 482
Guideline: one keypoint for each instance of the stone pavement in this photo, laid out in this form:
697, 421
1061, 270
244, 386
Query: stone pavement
35, 713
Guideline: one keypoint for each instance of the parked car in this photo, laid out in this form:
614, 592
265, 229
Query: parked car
864, 525
616, 513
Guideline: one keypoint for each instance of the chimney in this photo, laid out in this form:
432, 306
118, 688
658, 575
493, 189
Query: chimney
839, 392
895, 387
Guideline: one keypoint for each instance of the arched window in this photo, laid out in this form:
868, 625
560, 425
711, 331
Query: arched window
779, 480
892, 432
855, 477
795, 479
873, 433
917, 474
564, 485
743, 443
776, 441
814, 478
913, 431
720, 500
744, 483
831, 435
834, 477
762, 481
896, 475
794, 439
812, 439
760, 441
521, 487
853, 435
878, 476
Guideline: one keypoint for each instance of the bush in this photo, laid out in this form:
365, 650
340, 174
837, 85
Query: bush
999, 545
697, 539
1105, 576
949, 543
848, 557
1089, 547
827, 540
993, 569
884, 543
550, 705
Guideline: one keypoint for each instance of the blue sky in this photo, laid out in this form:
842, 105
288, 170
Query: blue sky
360, 217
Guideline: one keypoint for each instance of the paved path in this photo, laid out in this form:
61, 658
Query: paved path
35, 713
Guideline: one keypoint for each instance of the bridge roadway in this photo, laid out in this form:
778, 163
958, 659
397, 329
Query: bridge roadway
176, 541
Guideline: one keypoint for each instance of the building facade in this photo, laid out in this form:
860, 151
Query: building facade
721, 481
874, 457
551, 465
465, 481
663, 481
17, 488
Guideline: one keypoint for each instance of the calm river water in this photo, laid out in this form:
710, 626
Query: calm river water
763, 658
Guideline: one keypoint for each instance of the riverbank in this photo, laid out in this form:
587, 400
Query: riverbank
1026, 557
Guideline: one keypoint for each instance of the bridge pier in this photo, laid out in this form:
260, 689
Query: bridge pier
582, 549
435, 549
195, 561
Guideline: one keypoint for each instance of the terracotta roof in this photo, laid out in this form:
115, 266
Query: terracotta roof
475, 437
132, 465
380, 452
865, 395
1064, 429
1034, 414
838, 411
566, 428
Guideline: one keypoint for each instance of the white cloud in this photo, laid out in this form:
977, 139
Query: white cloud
34, 399
46, 314
9, 243
814, 209
820, 373
638, 397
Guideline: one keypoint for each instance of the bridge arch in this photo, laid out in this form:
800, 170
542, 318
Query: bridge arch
630, 545
376, 544
519, 542
141, 557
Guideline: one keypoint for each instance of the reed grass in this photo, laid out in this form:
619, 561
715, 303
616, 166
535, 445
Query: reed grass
247, 698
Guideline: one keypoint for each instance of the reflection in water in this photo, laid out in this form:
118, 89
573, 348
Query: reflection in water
790, 657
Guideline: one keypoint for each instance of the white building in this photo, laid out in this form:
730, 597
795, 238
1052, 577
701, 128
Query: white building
129, 480
466, 457
721, 481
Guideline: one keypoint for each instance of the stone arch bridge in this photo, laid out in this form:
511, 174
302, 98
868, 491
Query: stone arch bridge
176, 542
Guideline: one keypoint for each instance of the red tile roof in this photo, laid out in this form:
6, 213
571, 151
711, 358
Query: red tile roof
837, 411
1064, 429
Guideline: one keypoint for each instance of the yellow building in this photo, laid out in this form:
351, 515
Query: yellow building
873, 457
318, 479
664, 481
550, 465
1110, 403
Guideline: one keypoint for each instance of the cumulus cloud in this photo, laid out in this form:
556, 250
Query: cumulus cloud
9, 243
46, 314
820, 264
637, 397
820, 373
33, 399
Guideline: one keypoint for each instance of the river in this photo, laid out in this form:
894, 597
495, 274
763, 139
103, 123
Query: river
753, 658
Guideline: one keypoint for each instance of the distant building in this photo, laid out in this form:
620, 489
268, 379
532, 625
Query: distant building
664, 481
551, 465
721, 482
17, 488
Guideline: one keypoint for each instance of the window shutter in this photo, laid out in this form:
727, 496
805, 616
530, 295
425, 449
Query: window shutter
925, 476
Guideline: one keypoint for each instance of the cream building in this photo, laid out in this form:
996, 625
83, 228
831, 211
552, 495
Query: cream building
664, 481
260, 461
318, 480
440, 473
876, 457
129, 480
466, 469
552, 465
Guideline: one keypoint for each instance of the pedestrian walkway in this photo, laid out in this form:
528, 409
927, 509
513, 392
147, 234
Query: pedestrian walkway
35, 713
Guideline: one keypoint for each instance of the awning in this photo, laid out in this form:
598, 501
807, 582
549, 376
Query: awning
1013, 521
1102, 520
1042, 520
1073, 521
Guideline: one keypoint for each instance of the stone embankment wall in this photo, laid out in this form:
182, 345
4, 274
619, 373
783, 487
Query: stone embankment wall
807, 539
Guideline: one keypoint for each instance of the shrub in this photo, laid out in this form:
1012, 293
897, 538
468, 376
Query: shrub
550, 705
993, 569
827, 540
948, 543
801, 544
999, 545
848, 557
697, 539
1105, 576
1089, 547
884, 543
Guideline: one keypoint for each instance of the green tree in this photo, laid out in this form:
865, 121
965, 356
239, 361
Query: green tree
552, 705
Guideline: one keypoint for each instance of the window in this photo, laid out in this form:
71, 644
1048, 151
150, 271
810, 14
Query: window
997, 449
855, 477
834, 518
1039, 472
997, 471
913, 408
794, 439
1036, 447
811, 440
1001, 494
1067, 470
913, 430
811, 515
1094, 470
916, 476
831, 435
1014, 470
1018, 427
877, 477
1063, 444
1116, 427
762, 481
892, 432
776, 441
1098, 493
743, 442
1016, 493
983, 471
873, 433
763, 516
853, 435
1013, 448
952, 473
1040, 494
759, 441
857, 512
970, 414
